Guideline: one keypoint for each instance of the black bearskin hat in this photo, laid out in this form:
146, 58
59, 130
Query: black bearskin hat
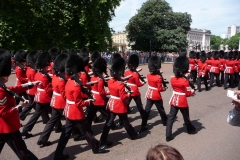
20, 56
43, 60
115, 56
209, 55
230, 55
95, 55
73, 51
197, 55
99, 65
235, 53
203, 56
215, 55
154, 64
85, 56
5, 63
133, 61
221, 53
118, 67
59, 63
192, 54
74, 64
181, 65
32, 57
54, 52
182, 53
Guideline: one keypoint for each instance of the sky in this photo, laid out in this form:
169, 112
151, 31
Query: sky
214, 15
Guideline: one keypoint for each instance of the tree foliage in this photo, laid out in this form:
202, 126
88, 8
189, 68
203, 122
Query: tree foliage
215, 41
157, 24
234, 41
41, 24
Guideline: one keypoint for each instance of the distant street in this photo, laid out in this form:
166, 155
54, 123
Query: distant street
215, 140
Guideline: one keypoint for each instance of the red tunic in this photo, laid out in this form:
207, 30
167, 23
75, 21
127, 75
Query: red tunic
202, 69
154, 87
84, 80
134, 82
229, 67
30, 75
208, 61
236, 67
21, 77
50, 69
87, 68
222, 64
74, 101
180, 92
98, 91
192, 64
215, 66
44, 90
58, 98
9, 118
117, 101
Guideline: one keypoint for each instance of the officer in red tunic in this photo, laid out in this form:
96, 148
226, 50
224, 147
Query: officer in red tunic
20, 71
74, 109
98, 90
193, 66
208, 61
202, 72
117, 102
215, 69
9, 118
58, 101
178, 101
134, 82
43, 95
229, 71
236, 67
31, 71
222, 66
155, 86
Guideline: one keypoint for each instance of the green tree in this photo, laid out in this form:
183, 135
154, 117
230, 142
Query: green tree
156, 27
216, 41
41, 24
234, 41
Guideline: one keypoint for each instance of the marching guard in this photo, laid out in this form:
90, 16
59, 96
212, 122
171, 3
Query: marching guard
215, 69
178, 101
202, 72
9, 118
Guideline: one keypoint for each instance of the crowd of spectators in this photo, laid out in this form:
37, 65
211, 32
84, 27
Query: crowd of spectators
143, 56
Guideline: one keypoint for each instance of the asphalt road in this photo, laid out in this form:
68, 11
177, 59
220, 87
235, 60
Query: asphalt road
215, 140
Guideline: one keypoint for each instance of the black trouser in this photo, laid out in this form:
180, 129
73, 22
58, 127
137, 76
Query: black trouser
212, 79
138, 102
17, 144
24, 95
110, 120
92, 110
226, 79
199, 81
160, 108
222, 77
85, 129
172, 116
236, 78
41, 108
194, 75
55, 118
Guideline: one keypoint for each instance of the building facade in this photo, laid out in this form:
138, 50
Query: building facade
231, 31
200, 37
120, 41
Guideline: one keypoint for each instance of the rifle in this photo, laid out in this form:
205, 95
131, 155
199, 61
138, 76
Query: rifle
46, 74
21, 66
83, 89
164, 81
190, 83
140, 76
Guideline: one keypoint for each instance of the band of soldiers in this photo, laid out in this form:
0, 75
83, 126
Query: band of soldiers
66, 83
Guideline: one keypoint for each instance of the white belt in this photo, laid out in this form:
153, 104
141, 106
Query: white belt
130, 84
152, 88
114, 97
95, 92
17, 79
56, 94
228, 67
214, 67
179, 93
209, 65
40, 89
70, 102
